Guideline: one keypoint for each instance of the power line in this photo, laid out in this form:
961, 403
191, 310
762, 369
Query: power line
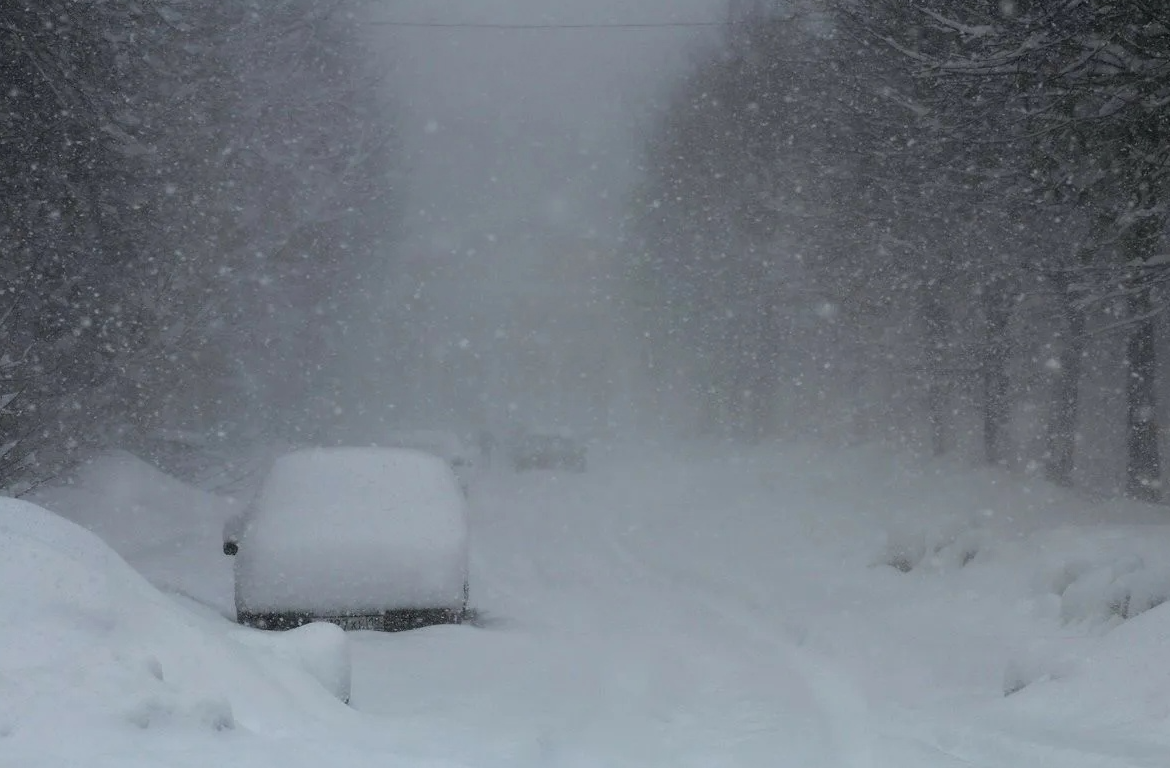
612, 25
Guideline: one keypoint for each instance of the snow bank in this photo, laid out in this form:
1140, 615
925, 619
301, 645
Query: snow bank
1036, 617
93, 658
1084, 560
1122, 681
352, 530
169, 531
1009, 596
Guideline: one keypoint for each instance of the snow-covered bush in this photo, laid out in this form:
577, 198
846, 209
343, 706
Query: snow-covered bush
948, 545
1112, 589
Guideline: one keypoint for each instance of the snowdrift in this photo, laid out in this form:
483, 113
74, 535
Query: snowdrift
993, 606
1084, 562
167, 530
1037, 617
689, 605
100, 668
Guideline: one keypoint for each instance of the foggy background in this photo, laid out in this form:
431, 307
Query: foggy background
856, 309
523, 147
301, 223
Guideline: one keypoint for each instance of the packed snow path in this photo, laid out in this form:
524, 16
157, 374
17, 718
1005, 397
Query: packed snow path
704, 610
624, 625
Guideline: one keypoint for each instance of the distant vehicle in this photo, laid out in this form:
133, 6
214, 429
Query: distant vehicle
365, 538
446, 445
485, 440
537, 450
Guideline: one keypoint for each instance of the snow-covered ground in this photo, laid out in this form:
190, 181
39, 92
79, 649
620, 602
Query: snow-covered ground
675, 606
98, 668
169, 531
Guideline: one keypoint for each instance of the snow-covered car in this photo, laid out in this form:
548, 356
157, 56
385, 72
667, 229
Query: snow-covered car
446, 445
551, 450
365, 538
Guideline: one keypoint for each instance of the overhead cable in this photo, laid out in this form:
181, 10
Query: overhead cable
603, 25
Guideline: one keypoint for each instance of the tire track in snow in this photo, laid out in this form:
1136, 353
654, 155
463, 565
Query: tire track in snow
842, 707
610, 512
604, 535
992, 746
626, 530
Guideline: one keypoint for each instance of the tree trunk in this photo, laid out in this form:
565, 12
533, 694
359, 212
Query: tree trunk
996, 351
710, 407
1065, 408
767, 373
935, 342
1143, 468
860, 417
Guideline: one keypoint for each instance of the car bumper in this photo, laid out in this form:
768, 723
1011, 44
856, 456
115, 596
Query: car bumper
396, 620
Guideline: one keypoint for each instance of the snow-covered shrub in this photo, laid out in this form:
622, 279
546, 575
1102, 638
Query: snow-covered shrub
1036, 664
943, 548
1113, 590
1018, 675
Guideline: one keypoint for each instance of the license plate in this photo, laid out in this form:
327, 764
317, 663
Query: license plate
350, 623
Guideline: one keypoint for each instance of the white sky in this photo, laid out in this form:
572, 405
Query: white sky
523, 147
515, 132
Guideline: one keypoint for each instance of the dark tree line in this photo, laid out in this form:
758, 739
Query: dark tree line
187, 188
927, 219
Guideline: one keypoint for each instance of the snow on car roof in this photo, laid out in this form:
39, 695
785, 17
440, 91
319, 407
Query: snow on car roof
386, 488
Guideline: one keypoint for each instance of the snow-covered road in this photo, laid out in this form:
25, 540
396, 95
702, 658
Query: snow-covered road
718, 609
625, 624
674, 606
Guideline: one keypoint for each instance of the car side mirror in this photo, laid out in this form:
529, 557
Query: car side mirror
233, 529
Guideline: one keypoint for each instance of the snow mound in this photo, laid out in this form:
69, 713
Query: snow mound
1081, 561
320, 648
168, 530
939, 547
1112, 700
90, 649
1104, 575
